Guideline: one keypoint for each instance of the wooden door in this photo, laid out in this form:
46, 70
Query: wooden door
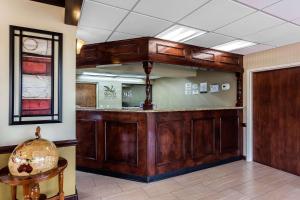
276, 118
86, 94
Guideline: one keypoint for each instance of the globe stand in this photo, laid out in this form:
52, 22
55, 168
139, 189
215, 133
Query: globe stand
30, 184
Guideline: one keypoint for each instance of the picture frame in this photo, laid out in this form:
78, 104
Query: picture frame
35, 76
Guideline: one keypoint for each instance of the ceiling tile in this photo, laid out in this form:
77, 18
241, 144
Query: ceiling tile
121, 36
297, 21
209, 40
253, 49
276, 33
216, 14
291, 36
127, 4
97, 15
90, 35
176, 9
250, 24
286, 9
138, 24
259, 4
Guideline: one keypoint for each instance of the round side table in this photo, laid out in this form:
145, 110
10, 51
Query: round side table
30, 184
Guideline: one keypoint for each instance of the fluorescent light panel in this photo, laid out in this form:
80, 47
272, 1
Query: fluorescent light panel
234, 45
98, 74
101, 78
180, 33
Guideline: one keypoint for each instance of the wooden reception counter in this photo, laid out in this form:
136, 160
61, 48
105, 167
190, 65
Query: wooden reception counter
155, 144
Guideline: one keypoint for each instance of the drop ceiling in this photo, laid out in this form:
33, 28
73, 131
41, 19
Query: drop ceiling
268, 23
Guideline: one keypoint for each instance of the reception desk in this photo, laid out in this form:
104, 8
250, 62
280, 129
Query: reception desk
155, 144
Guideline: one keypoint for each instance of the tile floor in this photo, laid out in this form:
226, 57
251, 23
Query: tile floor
239, 180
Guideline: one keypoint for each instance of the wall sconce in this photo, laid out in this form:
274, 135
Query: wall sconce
79, 45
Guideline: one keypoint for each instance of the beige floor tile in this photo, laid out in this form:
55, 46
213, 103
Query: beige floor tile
226, 195
126, 185
105, 190
286, 192
234, 181
161, 187
137, 194
193, 192
164, 197
192, 178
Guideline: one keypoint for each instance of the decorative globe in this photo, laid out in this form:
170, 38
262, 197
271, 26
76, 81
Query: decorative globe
33, 157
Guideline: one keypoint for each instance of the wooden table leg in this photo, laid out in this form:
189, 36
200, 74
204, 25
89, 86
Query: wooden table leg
26, 192
13, 192
35, 192
61, 186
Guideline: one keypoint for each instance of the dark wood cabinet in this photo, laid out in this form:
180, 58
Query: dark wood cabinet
203, 139
88, 149
152, 144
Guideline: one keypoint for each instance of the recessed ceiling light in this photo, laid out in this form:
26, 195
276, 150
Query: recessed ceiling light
180, 33
233, 45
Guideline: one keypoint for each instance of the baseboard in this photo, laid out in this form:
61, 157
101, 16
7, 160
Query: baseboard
72, 197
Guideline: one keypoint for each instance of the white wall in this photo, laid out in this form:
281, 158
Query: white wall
39, 16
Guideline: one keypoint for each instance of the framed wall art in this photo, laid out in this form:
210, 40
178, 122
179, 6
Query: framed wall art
35, 76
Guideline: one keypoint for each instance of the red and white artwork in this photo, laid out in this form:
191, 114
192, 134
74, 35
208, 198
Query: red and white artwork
36, 86
37, 46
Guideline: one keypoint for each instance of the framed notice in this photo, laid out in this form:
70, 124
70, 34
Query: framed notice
35, 76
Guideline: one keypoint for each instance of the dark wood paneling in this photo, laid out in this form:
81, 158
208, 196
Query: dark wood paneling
189, 55
87, 134
72, 11
232, 60
153, 143
60, 3
276, 114
59, 144
157, 50
203, 56
123, 51
171, 51
121, 142
170, 142
86, 94
229, 134
203, 138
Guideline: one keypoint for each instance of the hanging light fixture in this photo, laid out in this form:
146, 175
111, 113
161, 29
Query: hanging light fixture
79, 45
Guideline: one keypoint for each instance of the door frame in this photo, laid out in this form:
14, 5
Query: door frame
249, 107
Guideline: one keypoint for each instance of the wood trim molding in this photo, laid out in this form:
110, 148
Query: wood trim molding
59, 144
60, 3
72, 9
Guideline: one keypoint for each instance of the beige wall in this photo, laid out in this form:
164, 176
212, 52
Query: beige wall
274, 57
286, 55
169, 92
40, 16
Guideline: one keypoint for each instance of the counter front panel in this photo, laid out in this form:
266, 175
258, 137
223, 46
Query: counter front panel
151, 144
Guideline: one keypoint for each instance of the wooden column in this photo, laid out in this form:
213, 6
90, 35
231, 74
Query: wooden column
147, 65
239, 86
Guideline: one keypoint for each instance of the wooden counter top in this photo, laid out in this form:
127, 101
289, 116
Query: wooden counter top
159, 110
